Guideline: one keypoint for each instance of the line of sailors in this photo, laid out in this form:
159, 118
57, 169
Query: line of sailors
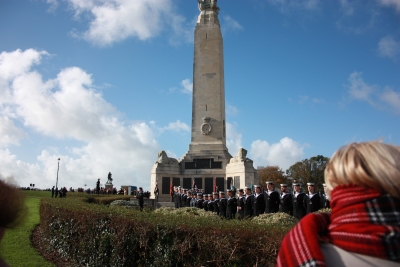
248, 204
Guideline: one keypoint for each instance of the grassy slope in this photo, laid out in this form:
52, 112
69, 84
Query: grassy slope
16, 247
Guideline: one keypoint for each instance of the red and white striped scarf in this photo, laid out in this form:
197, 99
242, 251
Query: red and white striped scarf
362, 221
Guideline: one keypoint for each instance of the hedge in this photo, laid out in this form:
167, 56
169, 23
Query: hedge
100, 235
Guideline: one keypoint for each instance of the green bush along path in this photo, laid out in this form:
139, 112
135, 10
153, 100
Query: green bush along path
16, 248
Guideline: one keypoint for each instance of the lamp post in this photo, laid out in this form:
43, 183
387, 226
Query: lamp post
58, 168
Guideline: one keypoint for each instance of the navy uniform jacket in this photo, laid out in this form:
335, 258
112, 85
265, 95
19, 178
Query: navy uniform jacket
216, 205
199, 203
176, 199
188, 201
240, 203
183, 200
298, 206
325, 203
222, 207
286, 203
231, 208
258, 204
205, 205
210, 205
312, 203
248, 205
272, 202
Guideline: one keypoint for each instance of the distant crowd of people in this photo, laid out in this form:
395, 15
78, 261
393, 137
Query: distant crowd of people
249, 204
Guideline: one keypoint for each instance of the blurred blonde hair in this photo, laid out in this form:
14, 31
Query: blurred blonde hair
370, 164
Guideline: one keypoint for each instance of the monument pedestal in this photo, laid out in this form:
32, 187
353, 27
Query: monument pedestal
109, 186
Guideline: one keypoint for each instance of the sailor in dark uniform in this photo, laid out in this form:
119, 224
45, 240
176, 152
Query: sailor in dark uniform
258, 201
176, 197
222, 204
325, 202
248, 203
199, 201
193, 201
216, 202
210, 203
231, 206
188, 199
271, 198
312, 201
240, 203
298, 202
286, 202
183, 198
205, 202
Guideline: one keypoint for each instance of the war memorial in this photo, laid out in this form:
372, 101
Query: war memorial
208, 162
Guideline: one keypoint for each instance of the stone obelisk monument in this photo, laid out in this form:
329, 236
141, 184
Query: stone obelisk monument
207, 164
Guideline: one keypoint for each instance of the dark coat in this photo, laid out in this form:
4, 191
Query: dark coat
176, 197
139, 197
286, 204
272, 202
183, 200
223, 203
298, 206
205, 205
199, 203
231, 208
248, 206
216, 205
240, 204
210, 205
325, 203
258, 204
312, 204
188, 200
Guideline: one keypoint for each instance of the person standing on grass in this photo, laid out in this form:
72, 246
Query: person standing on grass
140, 196
12, 210
52, 191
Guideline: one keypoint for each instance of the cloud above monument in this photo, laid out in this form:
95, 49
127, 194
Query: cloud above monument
111, 21
67, 107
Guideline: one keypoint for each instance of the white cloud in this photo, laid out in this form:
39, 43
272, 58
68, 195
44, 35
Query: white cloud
233, 138
391, 98
9, 133
347, 7
286, 5
389, 47
187, 86
373, 94
178, 126
231, 24
53, 5
112, 21
358, 89
395, 3
231, 109
68, 107
284, 154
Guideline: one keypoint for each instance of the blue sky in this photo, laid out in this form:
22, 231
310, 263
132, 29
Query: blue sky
106, 84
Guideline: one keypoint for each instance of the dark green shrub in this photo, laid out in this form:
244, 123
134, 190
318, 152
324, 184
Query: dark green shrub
99, 235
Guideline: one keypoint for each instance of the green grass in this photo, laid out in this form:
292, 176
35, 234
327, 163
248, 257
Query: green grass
16, 247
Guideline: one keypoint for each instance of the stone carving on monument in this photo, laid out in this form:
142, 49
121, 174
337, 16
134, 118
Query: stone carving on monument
206, 126
208, 4
164, 159
241, 157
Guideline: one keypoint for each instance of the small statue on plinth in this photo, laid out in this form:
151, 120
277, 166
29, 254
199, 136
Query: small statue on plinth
110, 179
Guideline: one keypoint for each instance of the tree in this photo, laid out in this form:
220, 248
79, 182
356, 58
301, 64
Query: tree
309, 170
271, 173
